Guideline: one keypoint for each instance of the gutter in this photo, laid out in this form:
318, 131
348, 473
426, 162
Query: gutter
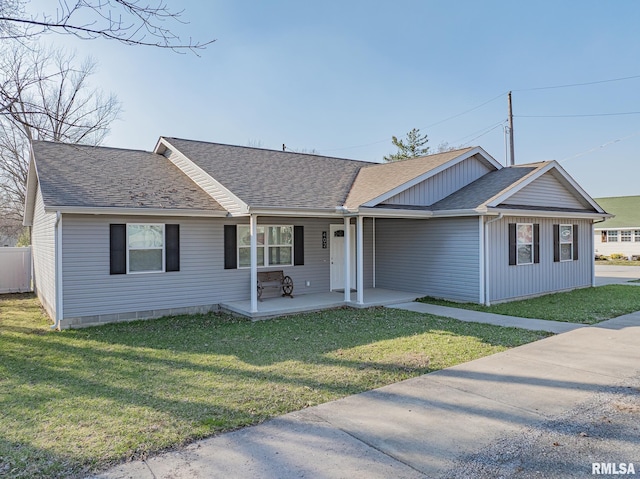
487, 302
82, 210
58, 270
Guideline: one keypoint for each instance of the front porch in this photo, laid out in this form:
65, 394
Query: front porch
281, 306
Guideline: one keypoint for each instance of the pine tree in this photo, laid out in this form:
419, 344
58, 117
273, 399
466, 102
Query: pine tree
411, 147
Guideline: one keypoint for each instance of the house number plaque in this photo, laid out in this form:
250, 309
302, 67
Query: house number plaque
324, 240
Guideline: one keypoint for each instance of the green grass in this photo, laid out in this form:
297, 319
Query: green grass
587, 306
78, 401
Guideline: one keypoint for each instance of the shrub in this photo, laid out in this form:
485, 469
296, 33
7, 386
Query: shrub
618, 256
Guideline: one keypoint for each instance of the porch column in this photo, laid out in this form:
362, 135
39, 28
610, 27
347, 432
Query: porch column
347, 259
360, 261
253, 228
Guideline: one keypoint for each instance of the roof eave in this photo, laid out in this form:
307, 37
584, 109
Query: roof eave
296, 211
120, 211
389, 213
550, 214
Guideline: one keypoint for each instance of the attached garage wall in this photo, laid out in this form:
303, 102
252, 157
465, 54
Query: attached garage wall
435, 257
510, 282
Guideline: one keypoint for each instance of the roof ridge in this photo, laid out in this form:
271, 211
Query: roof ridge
83, 145
365, 162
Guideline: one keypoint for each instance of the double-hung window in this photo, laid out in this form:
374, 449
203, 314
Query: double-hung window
566, 242
612, 236
275, 245
145, 248
636, 235
626, 236
525, 243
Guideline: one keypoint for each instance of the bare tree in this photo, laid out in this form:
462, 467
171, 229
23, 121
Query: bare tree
44, 96
132, 22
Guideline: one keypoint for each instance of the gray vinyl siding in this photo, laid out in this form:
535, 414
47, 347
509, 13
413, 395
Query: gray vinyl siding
509, 282
43, 244
438, 257
546, 191
442, 184
89, 289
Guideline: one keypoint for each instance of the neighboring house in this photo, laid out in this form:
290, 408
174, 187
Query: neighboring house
619, 235
121, 234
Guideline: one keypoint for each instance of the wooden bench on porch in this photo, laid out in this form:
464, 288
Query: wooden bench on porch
274, 279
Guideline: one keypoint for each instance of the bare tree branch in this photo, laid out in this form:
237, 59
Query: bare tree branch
43, 96
132, 22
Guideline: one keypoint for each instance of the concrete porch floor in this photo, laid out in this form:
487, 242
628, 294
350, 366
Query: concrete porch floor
280, 306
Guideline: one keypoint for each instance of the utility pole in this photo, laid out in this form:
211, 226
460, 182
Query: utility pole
512, 159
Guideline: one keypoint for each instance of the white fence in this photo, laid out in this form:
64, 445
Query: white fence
15, 270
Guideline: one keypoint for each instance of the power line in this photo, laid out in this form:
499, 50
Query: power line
424, 128
579, 84
611, 142
484, 133
579, 116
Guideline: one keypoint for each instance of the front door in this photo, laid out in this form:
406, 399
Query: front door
336, 245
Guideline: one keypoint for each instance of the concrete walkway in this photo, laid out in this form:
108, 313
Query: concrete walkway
471, 316
423, 426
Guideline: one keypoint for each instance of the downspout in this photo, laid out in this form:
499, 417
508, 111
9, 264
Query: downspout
487, 301
58, 266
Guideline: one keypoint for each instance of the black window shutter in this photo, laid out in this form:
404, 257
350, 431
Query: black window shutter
298, 245
172, 247
536, 243
118, 249
512, 244
575, 242
556, 243
230, 247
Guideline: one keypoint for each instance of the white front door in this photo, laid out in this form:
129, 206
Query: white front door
336, 245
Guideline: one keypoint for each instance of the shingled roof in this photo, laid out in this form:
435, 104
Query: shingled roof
476, 194
99, 177
270, 178
377, 179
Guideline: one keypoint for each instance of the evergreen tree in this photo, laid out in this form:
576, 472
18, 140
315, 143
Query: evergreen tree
411, 147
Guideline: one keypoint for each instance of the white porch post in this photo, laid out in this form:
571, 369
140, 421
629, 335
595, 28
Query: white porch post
360, 260
253, 228
347, 259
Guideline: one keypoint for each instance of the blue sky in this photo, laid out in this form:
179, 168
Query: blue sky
342, 77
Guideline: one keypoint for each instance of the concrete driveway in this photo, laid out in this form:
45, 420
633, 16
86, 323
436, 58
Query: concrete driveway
440, 424
606, 274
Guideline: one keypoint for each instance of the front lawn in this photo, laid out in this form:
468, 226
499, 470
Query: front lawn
587, 306
78, 401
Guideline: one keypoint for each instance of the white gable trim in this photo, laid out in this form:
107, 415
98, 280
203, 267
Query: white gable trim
30, 195
210, 185
528, 179
419, 179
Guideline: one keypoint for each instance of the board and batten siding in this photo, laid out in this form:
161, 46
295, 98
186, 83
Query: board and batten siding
436, 257
442, 184
90, 291
43, 249
546, 191
519, 281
